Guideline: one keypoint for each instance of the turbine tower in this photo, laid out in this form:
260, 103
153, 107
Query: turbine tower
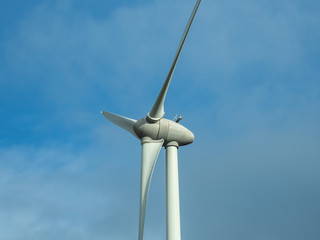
156, 132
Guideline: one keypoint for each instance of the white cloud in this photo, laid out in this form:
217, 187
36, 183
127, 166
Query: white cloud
56, 193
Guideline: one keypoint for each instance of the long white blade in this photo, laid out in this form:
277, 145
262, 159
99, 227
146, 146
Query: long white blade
123, 122
157, 110
150, 152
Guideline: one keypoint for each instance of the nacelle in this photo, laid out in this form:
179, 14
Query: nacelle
164, 129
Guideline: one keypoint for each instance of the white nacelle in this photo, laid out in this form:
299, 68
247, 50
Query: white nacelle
163, 129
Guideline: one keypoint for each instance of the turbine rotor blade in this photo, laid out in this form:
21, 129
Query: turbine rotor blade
157, 111
123, 122
150, 152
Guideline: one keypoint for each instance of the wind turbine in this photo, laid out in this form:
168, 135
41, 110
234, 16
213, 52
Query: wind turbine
155, 132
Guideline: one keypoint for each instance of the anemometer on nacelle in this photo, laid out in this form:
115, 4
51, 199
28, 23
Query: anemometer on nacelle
177, 119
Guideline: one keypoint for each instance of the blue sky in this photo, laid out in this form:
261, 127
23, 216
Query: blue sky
247, 84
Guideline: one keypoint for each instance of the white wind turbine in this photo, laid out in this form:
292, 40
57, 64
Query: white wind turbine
155, 132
